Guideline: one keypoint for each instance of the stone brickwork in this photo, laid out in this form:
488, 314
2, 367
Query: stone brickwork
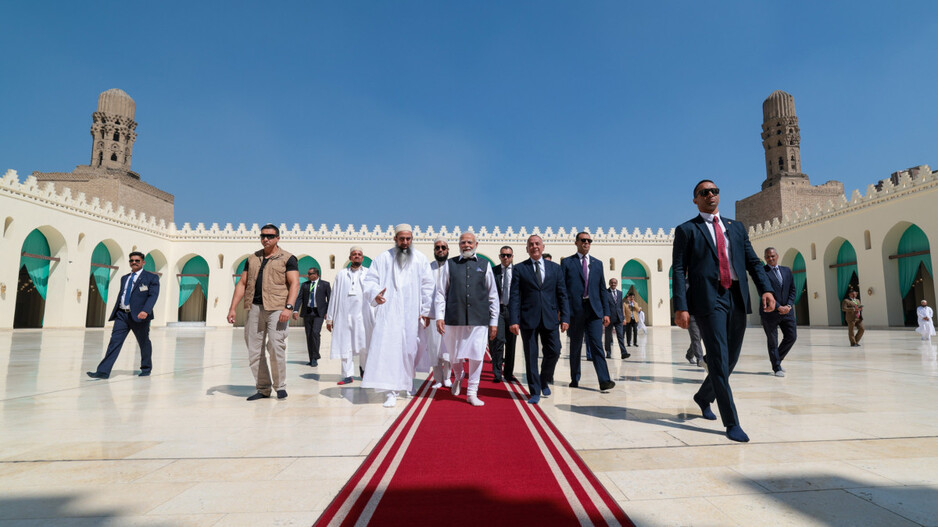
786, 188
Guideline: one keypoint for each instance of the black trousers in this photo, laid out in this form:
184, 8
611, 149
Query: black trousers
502, 348
722, 331
124, 323
631, 333
771, 322
550, 338
620, 336
313, 324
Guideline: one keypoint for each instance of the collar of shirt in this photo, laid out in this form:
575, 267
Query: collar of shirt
710, 217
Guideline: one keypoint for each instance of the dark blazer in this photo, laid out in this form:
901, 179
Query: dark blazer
497, 271
696, 270
142, 297
573, 277
534, 306
615, 306
784, 292
323, 295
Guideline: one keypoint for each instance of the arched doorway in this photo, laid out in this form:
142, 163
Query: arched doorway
101, 274
486, 259
916, 281
800, 274
634, 280
32, 286
847, 275
193, 290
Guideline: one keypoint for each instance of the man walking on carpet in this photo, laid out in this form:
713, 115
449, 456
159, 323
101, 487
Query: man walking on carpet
399, 285
430, 339
468, 299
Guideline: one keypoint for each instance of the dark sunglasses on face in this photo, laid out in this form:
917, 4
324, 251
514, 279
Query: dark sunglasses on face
505, 255
269, 236
585, 240
440, 248
134, 260
705, 191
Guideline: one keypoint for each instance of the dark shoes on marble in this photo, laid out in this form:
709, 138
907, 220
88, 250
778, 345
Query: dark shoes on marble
574, 384
313, 363
257, 396
144, 373
735, 433
705, 409
626, 355
97, 375
347, 380
545, 390
281, 394
534, 399
606, 386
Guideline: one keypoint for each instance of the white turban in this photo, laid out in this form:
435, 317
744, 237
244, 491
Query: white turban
402, 227
356, 248
441, 239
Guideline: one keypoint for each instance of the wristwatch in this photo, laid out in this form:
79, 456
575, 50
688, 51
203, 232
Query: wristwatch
289, 306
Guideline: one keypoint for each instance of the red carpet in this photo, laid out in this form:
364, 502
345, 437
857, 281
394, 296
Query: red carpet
446, 461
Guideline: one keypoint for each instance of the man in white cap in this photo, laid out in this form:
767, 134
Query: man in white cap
349, 319
399, 285
468, 299
430, 338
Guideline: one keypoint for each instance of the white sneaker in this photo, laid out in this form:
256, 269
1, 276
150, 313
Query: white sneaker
474, 401
437, 385
391, 401
448, 383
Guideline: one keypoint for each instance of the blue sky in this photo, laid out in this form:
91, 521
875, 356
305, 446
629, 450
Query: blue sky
522, 113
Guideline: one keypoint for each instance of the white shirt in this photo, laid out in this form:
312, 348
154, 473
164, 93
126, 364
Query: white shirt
708, 218
128, 286
539, 267
506, 285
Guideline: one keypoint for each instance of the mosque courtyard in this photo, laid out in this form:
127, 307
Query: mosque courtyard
848, 437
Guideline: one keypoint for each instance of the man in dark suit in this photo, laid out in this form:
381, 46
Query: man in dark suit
312, 305
537, 295
133, 311
502, 347
589, 307
710, 258
615, 320
783, 286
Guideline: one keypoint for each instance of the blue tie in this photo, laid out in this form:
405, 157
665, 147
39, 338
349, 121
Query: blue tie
130, 285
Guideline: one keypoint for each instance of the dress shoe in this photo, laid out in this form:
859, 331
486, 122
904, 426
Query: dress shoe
534, 399
314, 363
545, 391
606, 386
347, 380
690, 358
309, 364
257, 396
512, 378
497, 380
736, 433
626, 355
97, 375
574, 384
780, 373
281, 394
705, 409
144, 373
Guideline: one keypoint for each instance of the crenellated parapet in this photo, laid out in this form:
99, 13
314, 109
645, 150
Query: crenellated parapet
47, 195
902, 184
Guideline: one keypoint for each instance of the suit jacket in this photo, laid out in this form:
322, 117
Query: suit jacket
323, 295
142, 297
783, 292
615, 306
534, 306
497, 271
573, 277
696, 269
629, 314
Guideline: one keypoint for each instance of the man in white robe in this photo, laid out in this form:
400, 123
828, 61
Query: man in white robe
349, 319
926, 321
430, 338
467, 298
400, 287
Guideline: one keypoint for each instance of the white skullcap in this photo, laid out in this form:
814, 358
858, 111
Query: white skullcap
441, 239
402, 227
356, 248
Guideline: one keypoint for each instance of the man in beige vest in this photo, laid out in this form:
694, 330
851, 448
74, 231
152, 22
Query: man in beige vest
853, 312
272, 279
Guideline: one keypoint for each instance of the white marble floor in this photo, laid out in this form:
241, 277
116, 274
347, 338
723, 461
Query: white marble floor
849, 437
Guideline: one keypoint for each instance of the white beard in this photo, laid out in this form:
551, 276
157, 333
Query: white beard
468, 253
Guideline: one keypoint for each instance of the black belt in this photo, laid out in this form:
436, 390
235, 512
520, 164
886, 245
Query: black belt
124, 310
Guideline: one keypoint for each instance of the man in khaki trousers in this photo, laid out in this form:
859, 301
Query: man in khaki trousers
853, 312
271, 278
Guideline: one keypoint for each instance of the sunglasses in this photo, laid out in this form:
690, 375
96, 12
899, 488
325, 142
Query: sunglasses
585, 240
440, 248
505, 255
706, 191
134, 260
269, 236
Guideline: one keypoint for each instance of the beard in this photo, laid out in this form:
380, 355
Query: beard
440, 258
403, 257
469, 253
355, 265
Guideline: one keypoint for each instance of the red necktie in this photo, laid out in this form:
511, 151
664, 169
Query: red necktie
725, 279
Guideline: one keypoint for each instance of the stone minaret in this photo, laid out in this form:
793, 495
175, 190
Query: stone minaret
112, 131
781, 140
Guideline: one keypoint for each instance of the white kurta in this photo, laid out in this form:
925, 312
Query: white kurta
392, 352
926, 328
467, 342
350, 315
430, 340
